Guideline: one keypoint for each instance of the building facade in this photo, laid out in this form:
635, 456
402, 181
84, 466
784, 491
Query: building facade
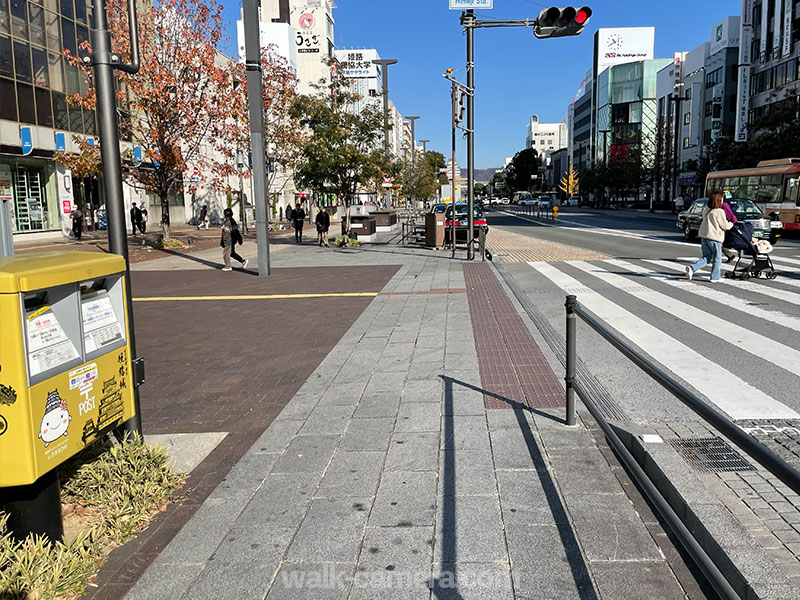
775, 54
545, 137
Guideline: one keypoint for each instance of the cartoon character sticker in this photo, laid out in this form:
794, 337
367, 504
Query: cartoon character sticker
56, 419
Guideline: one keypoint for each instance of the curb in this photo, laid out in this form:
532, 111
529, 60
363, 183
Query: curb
742, 561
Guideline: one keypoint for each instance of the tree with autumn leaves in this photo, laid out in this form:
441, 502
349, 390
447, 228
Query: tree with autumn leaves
570, 183
187, 105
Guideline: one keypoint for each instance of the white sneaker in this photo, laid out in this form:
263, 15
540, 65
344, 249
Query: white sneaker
689, 273
227, 269
244, 264
715, 280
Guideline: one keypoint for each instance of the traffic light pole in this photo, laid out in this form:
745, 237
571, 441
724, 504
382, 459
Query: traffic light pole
453, 172
104, 61
470, 16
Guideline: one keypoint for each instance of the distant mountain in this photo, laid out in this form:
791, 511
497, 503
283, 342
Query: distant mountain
484, 175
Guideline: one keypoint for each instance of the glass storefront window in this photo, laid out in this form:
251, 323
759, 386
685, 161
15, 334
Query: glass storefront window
80, 11
75, 120
22, 61
56, 75
34, 201
60, 115
6, 61
40, 75
19, 20
68, 35
51, 21
36, 23
44, 114
8, 100
73, 78
5, 20
27, 111
66, 8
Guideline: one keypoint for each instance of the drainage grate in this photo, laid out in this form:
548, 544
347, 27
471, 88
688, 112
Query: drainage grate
712, 455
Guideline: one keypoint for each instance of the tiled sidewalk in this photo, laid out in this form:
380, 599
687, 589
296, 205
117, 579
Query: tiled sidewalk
387, 477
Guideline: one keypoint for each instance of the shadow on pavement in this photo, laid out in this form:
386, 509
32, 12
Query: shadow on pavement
577, 565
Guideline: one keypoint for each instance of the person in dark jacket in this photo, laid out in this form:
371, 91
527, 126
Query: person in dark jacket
77, 222
136, 218
204, 218
323, 222
230, 237
298, 218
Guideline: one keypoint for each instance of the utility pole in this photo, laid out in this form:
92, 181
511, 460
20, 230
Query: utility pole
104, 61
384, 64
412, 120
239, 168
470, 19
252, 42
453, 93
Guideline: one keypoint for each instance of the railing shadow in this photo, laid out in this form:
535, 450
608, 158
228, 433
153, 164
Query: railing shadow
577, 565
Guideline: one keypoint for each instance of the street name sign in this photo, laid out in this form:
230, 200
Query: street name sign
470, 4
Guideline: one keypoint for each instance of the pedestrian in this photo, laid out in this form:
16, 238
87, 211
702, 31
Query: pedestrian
323, 222
728, 252
289, 212
298, 218
136, 218
230, 237
712, 233
77, 222
204, 218
143, 222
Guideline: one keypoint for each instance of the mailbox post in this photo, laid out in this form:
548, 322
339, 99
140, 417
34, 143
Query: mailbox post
65, 374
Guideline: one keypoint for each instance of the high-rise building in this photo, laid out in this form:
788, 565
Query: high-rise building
545, 137
312, 24
773, 28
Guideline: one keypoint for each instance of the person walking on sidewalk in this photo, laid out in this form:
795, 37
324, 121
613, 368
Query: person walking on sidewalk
230, 237
136, 218
143, 222
712, 233
323, 222
77, 222
298, 218
204, 217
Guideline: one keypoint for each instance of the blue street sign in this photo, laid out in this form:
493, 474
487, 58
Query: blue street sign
137, 156
27, 142
90, 141
271, 167
61, 142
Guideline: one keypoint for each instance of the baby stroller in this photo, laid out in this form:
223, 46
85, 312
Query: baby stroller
740, 238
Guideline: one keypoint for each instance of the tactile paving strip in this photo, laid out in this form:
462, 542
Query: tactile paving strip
514, 372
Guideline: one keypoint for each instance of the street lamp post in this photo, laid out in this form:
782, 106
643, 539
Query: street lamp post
424, 146
384, 64
413, 149
605, 133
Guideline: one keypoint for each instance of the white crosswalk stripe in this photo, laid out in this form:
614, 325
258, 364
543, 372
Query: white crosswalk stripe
729, 267
728, 391
729, 300
784, 259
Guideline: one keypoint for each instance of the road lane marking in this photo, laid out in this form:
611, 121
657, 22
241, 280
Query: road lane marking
770, 292
723, 298
730, 393
257, 297
756, 344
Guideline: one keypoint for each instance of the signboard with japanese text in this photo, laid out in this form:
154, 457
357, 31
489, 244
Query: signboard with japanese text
355, 64
743, 90
309, 24
787, 28
725, 35
470, 4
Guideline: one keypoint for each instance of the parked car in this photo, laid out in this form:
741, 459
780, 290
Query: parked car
573, 201
439, 208
505, 201
545, 201
462, 222
528, 201
768, 227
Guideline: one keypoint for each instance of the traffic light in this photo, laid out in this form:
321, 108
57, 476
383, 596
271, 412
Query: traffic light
461, 105
560, 22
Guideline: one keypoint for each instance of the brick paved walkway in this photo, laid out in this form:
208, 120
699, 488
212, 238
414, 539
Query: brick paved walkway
386, 477
227, 366
512, 247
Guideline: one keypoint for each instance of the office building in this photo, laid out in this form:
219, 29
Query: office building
546, 137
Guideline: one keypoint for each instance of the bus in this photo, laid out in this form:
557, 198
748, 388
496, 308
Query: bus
774, 185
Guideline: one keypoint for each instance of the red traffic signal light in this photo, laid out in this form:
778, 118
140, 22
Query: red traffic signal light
561, 22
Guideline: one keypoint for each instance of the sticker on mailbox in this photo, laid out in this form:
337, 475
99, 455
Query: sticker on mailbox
55, 422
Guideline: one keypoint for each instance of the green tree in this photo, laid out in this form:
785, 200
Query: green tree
342, 152
523, 166
422, 183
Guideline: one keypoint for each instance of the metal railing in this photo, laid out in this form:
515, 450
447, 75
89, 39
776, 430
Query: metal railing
530, 210
764, 456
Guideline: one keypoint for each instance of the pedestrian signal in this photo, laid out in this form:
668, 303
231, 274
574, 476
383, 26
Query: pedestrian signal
461, 99
560, 22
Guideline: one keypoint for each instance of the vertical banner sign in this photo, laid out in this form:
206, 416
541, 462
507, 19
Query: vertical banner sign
61, 142
788, 6
762, 48
716, 115
27, 141
777, 28
678, 70
743, 96
137, 156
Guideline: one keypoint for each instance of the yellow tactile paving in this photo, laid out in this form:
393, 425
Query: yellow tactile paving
508, 247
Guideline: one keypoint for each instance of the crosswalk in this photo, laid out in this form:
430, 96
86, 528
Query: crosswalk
677, 322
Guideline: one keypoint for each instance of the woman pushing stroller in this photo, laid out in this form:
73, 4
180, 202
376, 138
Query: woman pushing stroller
712, 234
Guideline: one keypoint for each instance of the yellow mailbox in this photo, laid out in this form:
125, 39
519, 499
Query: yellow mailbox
65, 364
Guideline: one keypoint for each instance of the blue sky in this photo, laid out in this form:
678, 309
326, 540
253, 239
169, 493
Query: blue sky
516, 74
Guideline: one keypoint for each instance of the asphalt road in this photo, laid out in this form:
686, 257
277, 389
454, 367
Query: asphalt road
735, 343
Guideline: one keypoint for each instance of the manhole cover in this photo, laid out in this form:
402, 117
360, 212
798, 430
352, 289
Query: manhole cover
711, 454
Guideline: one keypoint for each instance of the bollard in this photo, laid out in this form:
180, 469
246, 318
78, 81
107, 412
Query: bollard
482, 243
570, 378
